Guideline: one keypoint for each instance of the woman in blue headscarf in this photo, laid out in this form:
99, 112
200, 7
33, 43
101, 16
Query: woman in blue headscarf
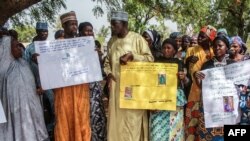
238, 49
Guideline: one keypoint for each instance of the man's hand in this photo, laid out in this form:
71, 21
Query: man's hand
34, 57
126, 58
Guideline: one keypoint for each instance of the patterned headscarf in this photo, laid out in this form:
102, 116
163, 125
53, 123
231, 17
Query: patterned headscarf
210, 31
174, 35
155, 37
222, 31
238, 40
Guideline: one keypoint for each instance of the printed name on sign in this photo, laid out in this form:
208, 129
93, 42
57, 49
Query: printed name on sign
241, 132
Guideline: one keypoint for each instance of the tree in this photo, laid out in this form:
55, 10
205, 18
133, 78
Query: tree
28, 11
234, 15
102, 34
230, 14
25, 33
139, 14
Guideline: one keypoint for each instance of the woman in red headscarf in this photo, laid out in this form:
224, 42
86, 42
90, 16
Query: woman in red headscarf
195, 58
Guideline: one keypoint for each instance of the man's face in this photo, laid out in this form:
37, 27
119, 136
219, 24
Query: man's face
70, 28
42, 34
116, 27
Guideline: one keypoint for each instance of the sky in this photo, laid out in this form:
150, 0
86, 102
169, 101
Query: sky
83, 9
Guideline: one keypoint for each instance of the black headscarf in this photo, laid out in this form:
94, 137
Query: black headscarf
156, 38
222, 38
171, 42
82, 25
58, 34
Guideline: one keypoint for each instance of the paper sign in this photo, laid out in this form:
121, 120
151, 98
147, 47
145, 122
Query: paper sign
67, 62
148, 86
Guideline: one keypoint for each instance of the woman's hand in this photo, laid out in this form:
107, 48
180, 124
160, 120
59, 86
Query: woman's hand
192, 59
199, 75
39, 91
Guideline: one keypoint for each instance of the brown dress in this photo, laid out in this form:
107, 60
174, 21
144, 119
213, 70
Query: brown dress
72, 113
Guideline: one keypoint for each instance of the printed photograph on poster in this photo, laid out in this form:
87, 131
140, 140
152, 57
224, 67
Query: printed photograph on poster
128, 92
162, 79
228, 102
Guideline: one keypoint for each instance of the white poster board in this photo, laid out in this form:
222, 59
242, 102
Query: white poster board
2, 115
219, 93
67, 62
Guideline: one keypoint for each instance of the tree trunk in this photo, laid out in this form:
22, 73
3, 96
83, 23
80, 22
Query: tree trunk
241, 25
9, 8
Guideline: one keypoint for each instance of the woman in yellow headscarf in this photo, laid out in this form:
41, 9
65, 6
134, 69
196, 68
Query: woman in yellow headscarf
195, 58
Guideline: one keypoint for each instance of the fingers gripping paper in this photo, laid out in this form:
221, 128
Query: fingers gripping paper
221, 93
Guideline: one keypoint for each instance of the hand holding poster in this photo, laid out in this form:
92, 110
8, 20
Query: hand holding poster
67, 62
148, 86
220, 99
220, 93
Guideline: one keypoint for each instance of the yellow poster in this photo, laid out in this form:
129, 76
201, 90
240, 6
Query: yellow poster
147, 85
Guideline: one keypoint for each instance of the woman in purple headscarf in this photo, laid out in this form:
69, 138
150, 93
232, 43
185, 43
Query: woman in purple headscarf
238, 49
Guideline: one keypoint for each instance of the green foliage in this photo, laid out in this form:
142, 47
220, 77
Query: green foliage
25, 33
230, 14
46, 10
102, 34
234, 15
139, 13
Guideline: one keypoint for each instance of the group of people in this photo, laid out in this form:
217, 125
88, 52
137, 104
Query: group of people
77, 113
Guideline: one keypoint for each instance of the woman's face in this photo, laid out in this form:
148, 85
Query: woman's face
203, 39
168, 50
147, 38
178, 41
193, 42
235, 48
185, 43
87, 31
16, 49
219, 48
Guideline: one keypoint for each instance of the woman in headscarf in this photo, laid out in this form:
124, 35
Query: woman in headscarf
237, 49
59, 34
21, 103
169, 125
235, 52
154, 42
97, 111
185, 43
220, 48
195, 58
194, 41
